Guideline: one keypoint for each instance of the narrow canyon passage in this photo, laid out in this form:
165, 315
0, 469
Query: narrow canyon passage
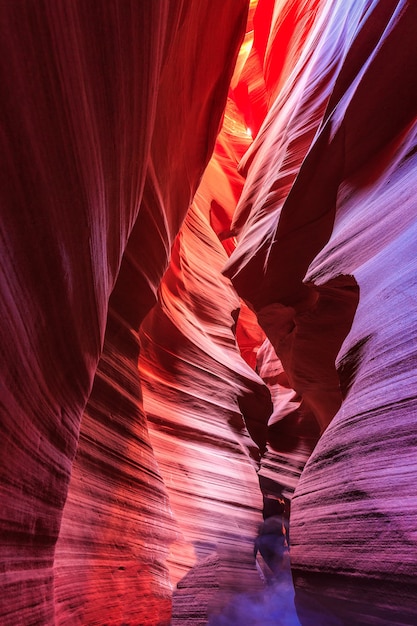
208, 313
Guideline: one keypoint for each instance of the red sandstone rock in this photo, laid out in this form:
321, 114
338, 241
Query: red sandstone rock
111, 112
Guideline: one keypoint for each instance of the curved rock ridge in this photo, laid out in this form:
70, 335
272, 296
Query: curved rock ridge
273, 161
202, 327
324, 257
359, 483
117, 523
191, 335
66, 217
98, 157
292, 429
198, 433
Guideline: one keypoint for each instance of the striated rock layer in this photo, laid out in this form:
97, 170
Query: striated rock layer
196, 324
198, 433
139, 522
100, 165
325, 250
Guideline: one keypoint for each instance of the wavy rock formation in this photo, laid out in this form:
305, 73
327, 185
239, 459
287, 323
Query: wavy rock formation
198, 432
100, 165
203, 328
317, 242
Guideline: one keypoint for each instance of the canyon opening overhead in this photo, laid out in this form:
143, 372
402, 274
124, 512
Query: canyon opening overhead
208, 312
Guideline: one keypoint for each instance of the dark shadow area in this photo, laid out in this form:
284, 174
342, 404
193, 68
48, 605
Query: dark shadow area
255, 405
272, 546
349, 364
274, 503
307, 342
285, 434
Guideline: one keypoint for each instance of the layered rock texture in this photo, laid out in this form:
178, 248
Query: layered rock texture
208, 276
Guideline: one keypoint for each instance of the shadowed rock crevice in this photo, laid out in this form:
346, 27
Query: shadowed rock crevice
308, 341
349, 365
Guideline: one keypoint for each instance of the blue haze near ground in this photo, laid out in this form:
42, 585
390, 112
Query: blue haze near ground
274, 606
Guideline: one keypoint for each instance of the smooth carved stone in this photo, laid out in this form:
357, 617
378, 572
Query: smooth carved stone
358, 486
345, 212
117, 523
74, 155
198, 433
133, 495
98, 157
353, 516
308, 341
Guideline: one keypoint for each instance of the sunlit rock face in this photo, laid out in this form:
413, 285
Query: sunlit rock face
195, 322
327, 230
206, 452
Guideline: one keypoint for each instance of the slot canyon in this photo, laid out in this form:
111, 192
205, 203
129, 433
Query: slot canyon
208, 310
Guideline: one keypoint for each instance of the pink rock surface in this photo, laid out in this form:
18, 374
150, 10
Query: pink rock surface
317, 241
194, 322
